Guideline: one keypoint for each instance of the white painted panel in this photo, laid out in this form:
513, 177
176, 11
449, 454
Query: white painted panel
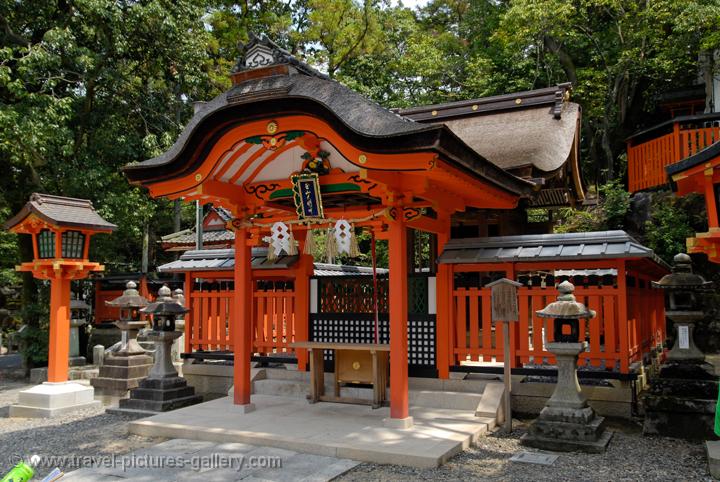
432, 296
336, 159
255, 164
238, 163
227, 156
282, 166
313, 296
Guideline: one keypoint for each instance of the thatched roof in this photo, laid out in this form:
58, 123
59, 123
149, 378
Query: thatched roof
520, 138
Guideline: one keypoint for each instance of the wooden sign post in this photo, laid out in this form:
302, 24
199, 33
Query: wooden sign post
505, 310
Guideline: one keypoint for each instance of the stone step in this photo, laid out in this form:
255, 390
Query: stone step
487, 404
465, 385
450, 400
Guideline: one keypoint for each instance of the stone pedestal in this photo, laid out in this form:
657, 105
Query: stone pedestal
179, 345
681, 401
682, 396
49, 400
75, 359
163, 390
124, 369
118, 374
568, 423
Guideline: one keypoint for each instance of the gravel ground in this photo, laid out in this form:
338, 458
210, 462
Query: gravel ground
630, 457
85, 433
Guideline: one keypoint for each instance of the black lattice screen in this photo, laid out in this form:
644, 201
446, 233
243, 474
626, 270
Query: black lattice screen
360, 328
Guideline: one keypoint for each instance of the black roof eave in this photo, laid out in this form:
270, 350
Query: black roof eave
706, 155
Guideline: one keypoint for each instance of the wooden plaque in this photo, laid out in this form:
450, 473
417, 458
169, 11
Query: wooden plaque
504, 299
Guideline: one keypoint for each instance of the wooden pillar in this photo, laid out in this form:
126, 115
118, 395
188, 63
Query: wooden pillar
623, 318
189, 315
443, 287
302, 306
710, 201
59, 343
242, 320
398, 304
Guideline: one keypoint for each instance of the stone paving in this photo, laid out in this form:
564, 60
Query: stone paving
192, 460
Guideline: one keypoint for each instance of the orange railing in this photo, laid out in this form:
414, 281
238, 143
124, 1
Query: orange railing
615, 338
207, 324
208, 327
274, 320
648, 156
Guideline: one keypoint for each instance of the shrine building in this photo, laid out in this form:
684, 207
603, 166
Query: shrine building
288, 151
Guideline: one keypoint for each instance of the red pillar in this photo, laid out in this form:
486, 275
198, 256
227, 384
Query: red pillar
443, 286
242, 322
59, 343
302, 305
189, 315
710, 202
398, 319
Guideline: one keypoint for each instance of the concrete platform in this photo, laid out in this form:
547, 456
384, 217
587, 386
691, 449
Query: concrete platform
49, 400
329, 429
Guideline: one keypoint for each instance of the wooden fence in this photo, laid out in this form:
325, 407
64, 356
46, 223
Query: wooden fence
208, 327
647, 160
619, 334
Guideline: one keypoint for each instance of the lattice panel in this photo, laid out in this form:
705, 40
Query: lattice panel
418, 295
360, 328
351, 295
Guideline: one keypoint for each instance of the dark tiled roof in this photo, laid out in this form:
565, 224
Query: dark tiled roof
550, 96
224, 260
546, 247
187, 238
62, 211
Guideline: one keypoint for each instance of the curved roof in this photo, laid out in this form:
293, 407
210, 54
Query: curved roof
521, 138
63, 212
284, 89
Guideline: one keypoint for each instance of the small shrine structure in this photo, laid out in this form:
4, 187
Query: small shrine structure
700, 173
287, 151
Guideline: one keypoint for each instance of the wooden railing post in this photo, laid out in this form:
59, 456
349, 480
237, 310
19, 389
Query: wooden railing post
189, 319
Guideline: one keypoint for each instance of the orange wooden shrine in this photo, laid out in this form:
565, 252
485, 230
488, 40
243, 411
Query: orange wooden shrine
282, 122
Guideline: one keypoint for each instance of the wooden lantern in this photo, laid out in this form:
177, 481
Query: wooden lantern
61, 228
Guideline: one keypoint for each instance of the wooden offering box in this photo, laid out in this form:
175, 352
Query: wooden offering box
354, 363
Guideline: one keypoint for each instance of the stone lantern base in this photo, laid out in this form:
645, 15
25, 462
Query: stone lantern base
119, 374
681, 401
163, 390
567, 423
50, 399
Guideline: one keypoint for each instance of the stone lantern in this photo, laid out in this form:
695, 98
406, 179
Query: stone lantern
682, 396
179, 344
163, 390
682, 288
79, 311
567, 422
126, 367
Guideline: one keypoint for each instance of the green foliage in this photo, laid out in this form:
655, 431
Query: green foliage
610, 212
668, 228
615, 204
34, 338
89, 86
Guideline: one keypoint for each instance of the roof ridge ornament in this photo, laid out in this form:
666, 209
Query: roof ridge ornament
260, 52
